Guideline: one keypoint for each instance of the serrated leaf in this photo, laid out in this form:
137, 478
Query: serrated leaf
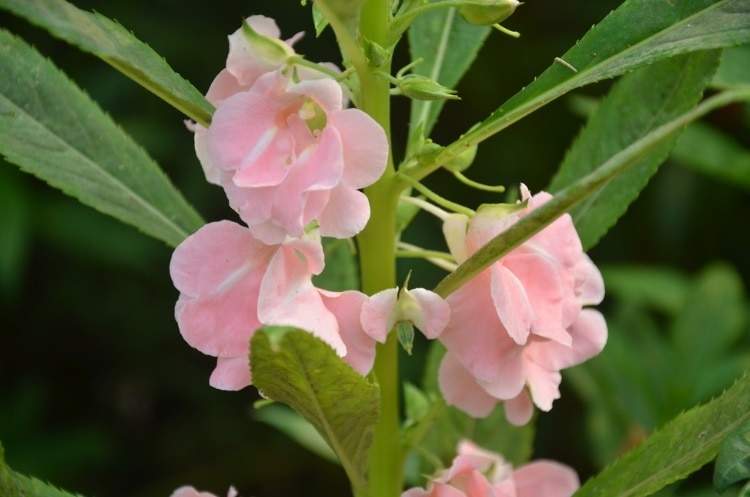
638, 33
342, 271
734, 69
13, 484
108, 40
733, 462
652, 96
708, 151
681, 447
51, 129
448, 45
579, 191
300, 370
297, 428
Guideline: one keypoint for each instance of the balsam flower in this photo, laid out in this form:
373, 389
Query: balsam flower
522, 320
424, 309
479, 473
231, 284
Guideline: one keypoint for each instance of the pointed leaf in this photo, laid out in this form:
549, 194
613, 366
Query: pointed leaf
447, 45
51, 129
13, 484
293, 367
108, 40
297, 428
733, 462
681, 447
734, 70
653, 96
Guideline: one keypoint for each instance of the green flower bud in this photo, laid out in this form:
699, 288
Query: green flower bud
462, 161
488, 12
423, 88
271, 50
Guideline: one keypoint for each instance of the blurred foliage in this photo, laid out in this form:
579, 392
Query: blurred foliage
100, 394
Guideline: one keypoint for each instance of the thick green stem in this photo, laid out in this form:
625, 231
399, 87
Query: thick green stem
377, 252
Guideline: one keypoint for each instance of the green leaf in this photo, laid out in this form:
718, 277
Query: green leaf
297, 428
13, 484
734, 70
733, 463
108, 40
342, 271
653, 96
447, 45
319, 21
638, 33
712, 320
14, 219
293, 367
51, 129
578, 192
708, 151
660, 288
681, 447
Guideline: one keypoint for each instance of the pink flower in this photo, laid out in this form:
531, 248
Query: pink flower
479, 473
192, 492
231, 284
423, 308
284, 147
523, 319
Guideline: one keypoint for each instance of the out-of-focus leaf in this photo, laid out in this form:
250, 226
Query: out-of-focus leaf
51, 129
578, 192
638, 33
447, 45
653, 96
100, 36
734, 69
712, 319
733, 463
342, 271
297, 428
681, 447
654, 287
293, 367
14, 219
706, 150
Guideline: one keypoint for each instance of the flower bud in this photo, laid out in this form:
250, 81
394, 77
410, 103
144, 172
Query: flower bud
462, 161
423, 88
488, 12
271, 50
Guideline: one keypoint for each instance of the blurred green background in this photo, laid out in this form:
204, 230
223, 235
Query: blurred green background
99, 394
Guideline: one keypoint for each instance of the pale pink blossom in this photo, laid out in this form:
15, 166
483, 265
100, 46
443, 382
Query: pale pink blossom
426, 310
479, 473
231, 284
192, 492
516, 325
284, 146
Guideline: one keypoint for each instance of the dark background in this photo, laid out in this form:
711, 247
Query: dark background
98, 392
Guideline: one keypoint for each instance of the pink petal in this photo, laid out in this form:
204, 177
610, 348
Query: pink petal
365, 147
190, 492
589, 335
242, 61
325, 92
222, 87
211, 171
544, 288
231, 373
511, 303
490, 221
252, 204
461, 390
478, 486
441, 490
474, 334
543, 385
509, 377
310, 248
518, 410
545, 479
346, 214
454, 230
589, 282
379, 314
434, 315
266, 162
214, 257
347, 307
288, 298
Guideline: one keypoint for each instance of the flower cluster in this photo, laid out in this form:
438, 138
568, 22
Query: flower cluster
291, 159
522, 320
478, 473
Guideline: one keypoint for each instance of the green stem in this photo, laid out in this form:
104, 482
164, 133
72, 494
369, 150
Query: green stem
377, 253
